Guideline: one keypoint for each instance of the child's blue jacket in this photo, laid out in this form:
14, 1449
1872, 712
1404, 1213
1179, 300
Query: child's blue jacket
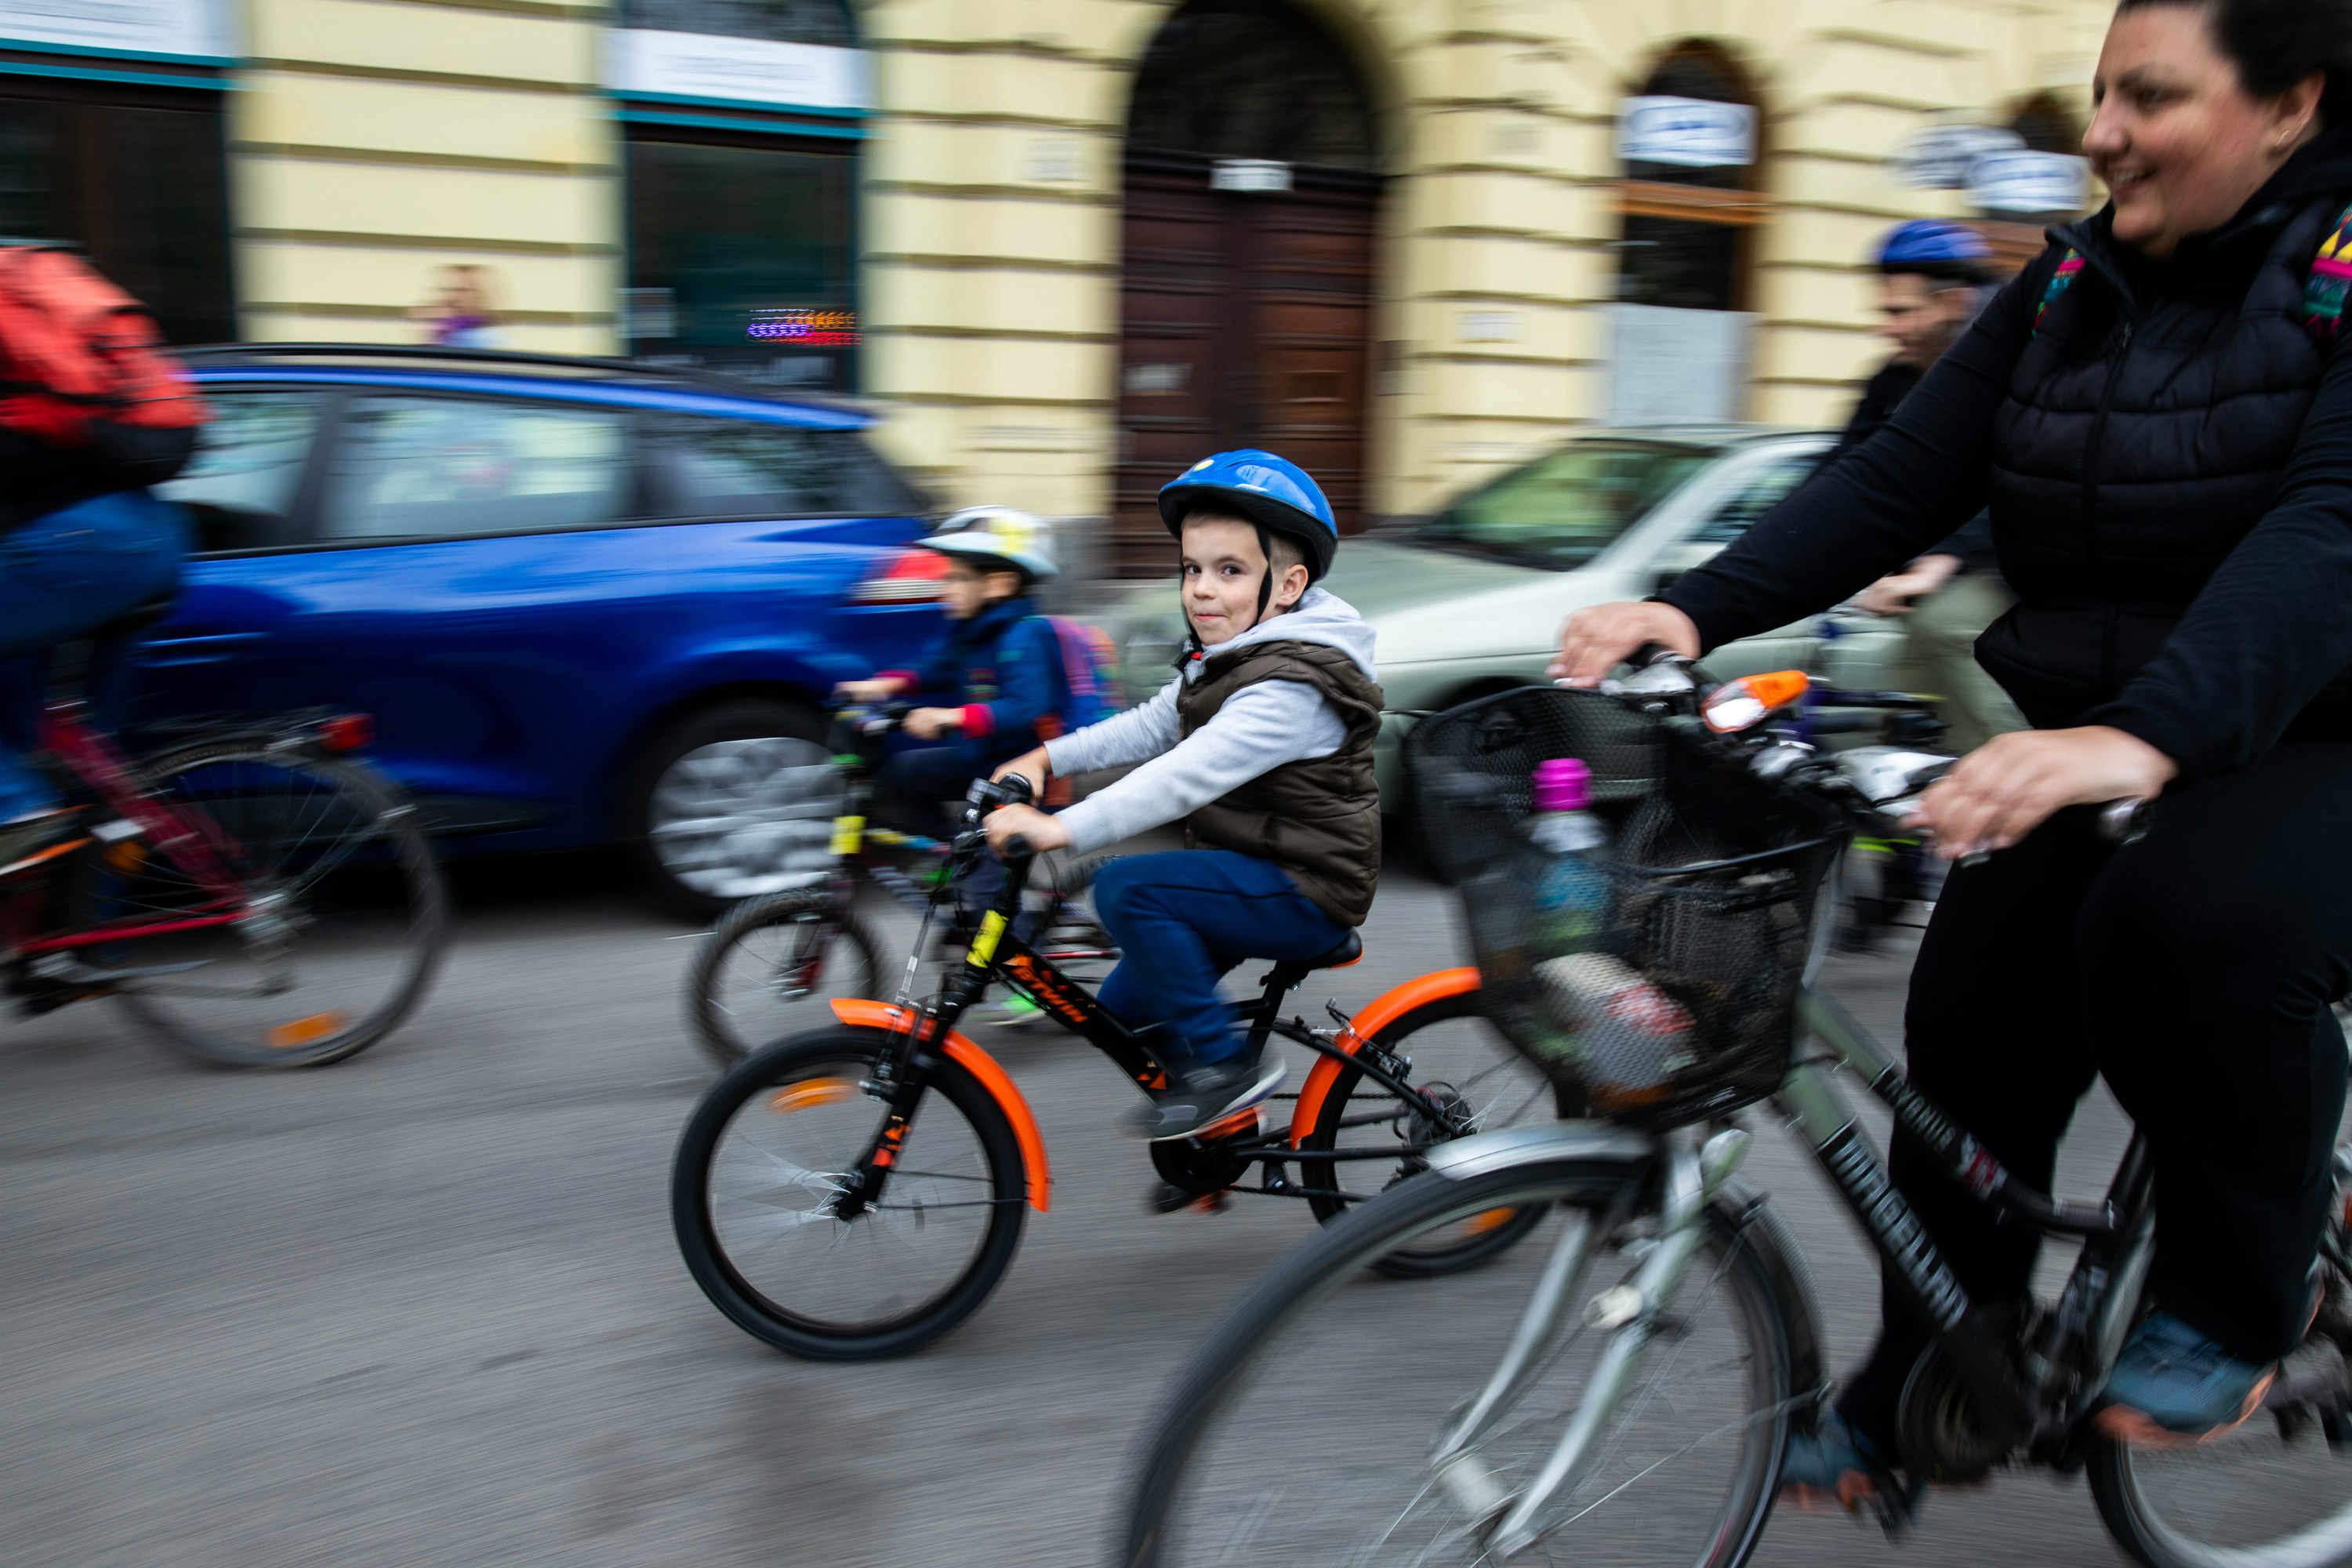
1004, 668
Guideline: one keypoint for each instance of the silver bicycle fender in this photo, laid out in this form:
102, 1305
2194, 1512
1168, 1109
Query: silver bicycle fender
1479, 1155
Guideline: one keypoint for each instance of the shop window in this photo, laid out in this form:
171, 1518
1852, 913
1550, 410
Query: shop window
1688, 226
740, 255
2046, 125
1240, 78
136, 187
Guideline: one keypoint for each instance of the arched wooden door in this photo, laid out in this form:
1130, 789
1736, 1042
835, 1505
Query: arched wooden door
1247, 290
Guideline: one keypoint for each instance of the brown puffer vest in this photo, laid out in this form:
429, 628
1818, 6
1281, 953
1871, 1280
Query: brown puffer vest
1317, 819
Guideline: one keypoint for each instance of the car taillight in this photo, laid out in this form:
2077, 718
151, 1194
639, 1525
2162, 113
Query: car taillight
912, 578
346, 732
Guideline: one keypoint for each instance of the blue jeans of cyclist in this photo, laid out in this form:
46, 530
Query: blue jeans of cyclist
1186, 916
60, 576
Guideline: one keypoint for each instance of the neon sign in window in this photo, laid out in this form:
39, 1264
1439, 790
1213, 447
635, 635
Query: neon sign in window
806, 328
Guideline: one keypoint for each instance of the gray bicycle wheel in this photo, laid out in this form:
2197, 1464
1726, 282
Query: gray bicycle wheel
2273, 1493
773, 967
1301, 1430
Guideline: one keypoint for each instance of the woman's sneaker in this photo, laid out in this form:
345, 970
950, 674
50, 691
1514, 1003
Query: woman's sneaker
1835, 1466
2172, 1385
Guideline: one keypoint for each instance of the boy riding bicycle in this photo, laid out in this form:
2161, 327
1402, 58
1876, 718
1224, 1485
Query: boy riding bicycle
999, 662
1263, 744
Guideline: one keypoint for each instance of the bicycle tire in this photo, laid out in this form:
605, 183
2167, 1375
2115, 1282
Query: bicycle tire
2266, 1473
1217, 1377
802, 1060
1485, 1237
347, 822
720, 1026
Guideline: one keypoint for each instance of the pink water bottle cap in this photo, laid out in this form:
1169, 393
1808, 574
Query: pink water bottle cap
1563, 784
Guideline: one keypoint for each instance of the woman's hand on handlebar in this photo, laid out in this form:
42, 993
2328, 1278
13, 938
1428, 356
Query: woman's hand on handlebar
1030, 766
2009, 786
1044, 832
1598, 640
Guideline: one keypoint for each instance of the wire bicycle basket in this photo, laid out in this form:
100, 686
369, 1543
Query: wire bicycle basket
1670, 995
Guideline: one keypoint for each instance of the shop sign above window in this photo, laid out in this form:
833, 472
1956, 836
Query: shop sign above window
2028, 183
187, 27
754, 70
1691, 132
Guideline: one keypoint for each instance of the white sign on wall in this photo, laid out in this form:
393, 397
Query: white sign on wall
1692, 133
153, 26
2029, 182
1939, 158
1669, 368
754, 70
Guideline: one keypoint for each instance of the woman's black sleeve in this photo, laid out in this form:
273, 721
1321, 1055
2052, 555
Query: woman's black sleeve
1883, 504
2272, 625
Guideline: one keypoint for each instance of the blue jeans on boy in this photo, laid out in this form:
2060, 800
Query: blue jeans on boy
1185, 918
60, 576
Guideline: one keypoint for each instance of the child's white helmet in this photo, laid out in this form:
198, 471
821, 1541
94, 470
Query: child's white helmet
1001, 535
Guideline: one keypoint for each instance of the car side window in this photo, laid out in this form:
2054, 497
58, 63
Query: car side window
432, 468
240, 484
741, 467
1757, 497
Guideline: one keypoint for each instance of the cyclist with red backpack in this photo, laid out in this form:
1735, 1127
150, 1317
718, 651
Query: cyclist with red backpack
92, 412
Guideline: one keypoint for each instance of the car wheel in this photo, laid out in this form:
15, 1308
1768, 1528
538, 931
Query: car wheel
736, 800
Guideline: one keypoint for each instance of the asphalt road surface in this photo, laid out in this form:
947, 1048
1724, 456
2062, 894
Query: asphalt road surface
424, 1308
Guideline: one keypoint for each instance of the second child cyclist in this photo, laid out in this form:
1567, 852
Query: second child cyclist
1262, 746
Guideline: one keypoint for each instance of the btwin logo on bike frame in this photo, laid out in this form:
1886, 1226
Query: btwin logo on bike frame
1032, 977
1890, 1219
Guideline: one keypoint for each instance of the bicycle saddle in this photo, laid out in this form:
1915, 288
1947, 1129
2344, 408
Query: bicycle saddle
1350, 948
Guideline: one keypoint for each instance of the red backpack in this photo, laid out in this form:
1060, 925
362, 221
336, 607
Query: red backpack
83, 365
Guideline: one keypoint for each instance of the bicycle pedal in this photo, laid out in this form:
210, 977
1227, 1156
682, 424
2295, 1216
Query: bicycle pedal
1167, 1198
1895, 1506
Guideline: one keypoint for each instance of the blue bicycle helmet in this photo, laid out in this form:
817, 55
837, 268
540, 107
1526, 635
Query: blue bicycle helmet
1273, 492
1937, 248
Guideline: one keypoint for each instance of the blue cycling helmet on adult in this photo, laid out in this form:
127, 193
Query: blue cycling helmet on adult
1273, 492
1937, 248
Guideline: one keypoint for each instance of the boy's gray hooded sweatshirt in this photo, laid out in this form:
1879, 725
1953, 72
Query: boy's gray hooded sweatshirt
1259, 729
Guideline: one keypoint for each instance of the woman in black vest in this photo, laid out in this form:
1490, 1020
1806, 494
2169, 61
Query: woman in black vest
2160, 421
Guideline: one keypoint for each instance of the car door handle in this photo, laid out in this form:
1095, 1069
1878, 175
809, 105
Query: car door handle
209, 649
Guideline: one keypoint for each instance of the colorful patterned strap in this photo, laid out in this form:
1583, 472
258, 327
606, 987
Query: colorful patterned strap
2069, 266
2324, 286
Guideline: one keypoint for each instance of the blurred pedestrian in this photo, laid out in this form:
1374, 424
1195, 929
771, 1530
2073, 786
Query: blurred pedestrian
1933, 278
459, 312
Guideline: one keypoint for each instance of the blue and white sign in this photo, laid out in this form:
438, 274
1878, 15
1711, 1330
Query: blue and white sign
2029, 182
197, 28
1691, 132
1939, 158
742, 70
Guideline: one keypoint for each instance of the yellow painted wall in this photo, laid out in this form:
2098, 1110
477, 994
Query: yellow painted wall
375, 141
992, 293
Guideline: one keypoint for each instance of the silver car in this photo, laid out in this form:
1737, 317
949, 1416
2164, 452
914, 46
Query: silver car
1469, 601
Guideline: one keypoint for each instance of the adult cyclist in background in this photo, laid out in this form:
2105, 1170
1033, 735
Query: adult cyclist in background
2160, 420
1932, 280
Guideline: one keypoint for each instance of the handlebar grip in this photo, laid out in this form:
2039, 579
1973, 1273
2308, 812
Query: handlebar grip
1016, 846
2122, 821
1017, 786
1651, 653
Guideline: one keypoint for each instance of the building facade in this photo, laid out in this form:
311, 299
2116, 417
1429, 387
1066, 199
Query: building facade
1067, 244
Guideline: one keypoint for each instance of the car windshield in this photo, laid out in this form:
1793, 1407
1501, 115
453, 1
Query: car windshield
1565, 507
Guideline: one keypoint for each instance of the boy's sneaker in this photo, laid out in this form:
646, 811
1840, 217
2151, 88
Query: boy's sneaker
1013, 1011
23, 838
2172, 1385
1835, 1466
1204, 1095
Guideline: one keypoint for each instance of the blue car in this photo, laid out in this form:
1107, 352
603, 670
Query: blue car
586, 601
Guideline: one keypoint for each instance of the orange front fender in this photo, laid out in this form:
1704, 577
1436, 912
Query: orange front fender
993, 1077
1391, 1007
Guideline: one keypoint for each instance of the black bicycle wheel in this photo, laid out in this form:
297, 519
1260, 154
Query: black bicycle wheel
1302, 1429
773, 967
339, 923
1458, 1055
2276, 1492
761, 1162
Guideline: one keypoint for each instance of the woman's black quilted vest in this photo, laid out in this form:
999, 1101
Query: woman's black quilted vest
2146, 431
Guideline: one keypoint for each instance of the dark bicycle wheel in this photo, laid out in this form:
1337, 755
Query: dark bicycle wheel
1463, 1060
2275, 1492
339, 917
761, 1163
772, 966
